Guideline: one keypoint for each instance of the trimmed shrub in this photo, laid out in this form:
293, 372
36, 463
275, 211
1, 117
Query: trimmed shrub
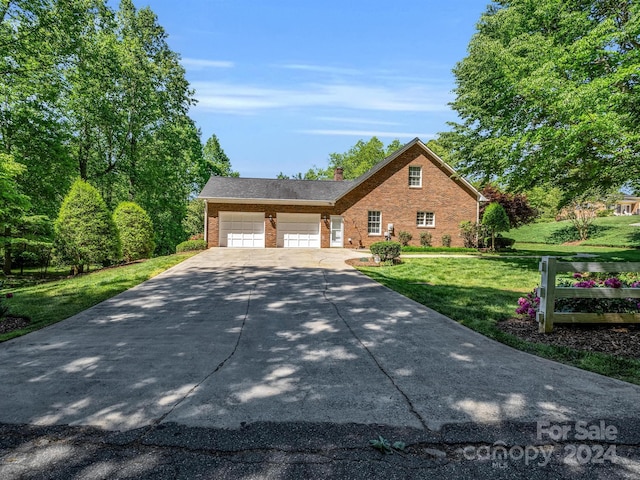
135, 229
503, 242
191, 245
446, 240
386, 250
425, 239
404, 237
84, 230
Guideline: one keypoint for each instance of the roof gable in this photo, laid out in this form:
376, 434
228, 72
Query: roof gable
318, 192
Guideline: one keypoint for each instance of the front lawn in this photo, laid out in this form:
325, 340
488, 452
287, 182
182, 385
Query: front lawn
50, 302
479, 292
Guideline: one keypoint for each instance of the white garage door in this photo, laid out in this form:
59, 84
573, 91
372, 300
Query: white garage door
298, 230
241, 229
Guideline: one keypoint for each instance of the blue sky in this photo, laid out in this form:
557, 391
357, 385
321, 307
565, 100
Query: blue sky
284, 83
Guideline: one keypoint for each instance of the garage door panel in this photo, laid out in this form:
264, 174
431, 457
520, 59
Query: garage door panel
298, 230
241, 229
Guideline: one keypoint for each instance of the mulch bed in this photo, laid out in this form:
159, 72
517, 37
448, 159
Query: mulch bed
8, 324
362, 262
367, 262
619, 340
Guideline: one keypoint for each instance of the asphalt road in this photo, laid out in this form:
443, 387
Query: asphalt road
285, 364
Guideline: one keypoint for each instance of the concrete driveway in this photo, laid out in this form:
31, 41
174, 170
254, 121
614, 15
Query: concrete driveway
232, 337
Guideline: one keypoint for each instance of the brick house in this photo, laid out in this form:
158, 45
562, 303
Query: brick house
411, 190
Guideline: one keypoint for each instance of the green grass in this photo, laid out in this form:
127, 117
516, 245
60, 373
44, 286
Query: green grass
439, 250
609, 231
50, 302
479, 292
613, 254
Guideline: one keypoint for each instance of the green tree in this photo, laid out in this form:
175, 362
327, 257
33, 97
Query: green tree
193, 222
361, 157
496, 220
32, 241
549, 93
214, 162
135, 231
35, 40
13, 204
546, 200
84, 230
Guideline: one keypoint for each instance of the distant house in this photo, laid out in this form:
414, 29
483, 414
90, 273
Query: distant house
627, 205
412, 190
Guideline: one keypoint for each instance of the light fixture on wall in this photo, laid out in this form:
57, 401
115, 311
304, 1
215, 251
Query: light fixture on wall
272, 221
325, 219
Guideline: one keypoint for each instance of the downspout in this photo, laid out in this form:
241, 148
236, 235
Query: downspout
206, 224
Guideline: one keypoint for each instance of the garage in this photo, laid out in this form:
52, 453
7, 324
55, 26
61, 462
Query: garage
298, 230
241, 229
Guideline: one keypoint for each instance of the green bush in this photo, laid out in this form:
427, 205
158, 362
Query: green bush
570, 233
446, 240
404, 237
135, 229
425, 239
503, 242
84, 230
191, 245
386, 250
473, 234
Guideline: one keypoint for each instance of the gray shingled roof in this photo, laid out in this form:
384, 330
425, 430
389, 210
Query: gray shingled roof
322, 191
230, 188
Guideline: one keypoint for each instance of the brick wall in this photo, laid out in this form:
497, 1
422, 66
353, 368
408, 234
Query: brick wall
386, 191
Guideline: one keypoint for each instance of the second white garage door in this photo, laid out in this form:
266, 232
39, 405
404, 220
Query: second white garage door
298, 230
242, 229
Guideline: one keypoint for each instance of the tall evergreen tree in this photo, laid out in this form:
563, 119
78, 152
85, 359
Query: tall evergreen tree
85, 233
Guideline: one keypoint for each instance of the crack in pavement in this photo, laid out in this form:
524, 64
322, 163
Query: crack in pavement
159, 420
412, 409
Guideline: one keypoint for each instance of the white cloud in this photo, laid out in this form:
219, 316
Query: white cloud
201, 64
320, 69
357, 121
243, 99
369, 133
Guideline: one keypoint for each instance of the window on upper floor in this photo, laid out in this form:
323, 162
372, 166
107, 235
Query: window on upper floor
415, 176
426, 219
374, 223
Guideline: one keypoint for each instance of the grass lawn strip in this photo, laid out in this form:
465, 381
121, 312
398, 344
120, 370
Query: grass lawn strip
480, 292
609, 231
50, 302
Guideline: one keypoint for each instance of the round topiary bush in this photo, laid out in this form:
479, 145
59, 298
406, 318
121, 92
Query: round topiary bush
135, 229
387, 251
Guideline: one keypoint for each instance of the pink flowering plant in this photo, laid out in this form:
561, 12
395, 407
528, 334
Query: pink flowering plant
527, 306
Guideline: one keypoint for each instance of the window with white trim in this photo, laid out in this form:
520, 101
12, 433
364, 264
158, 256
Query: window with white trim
374, 223
426, 219
415, 176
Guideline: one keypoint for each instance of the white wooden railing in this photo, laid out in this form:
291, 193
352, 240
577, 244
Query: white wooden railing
548, 292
